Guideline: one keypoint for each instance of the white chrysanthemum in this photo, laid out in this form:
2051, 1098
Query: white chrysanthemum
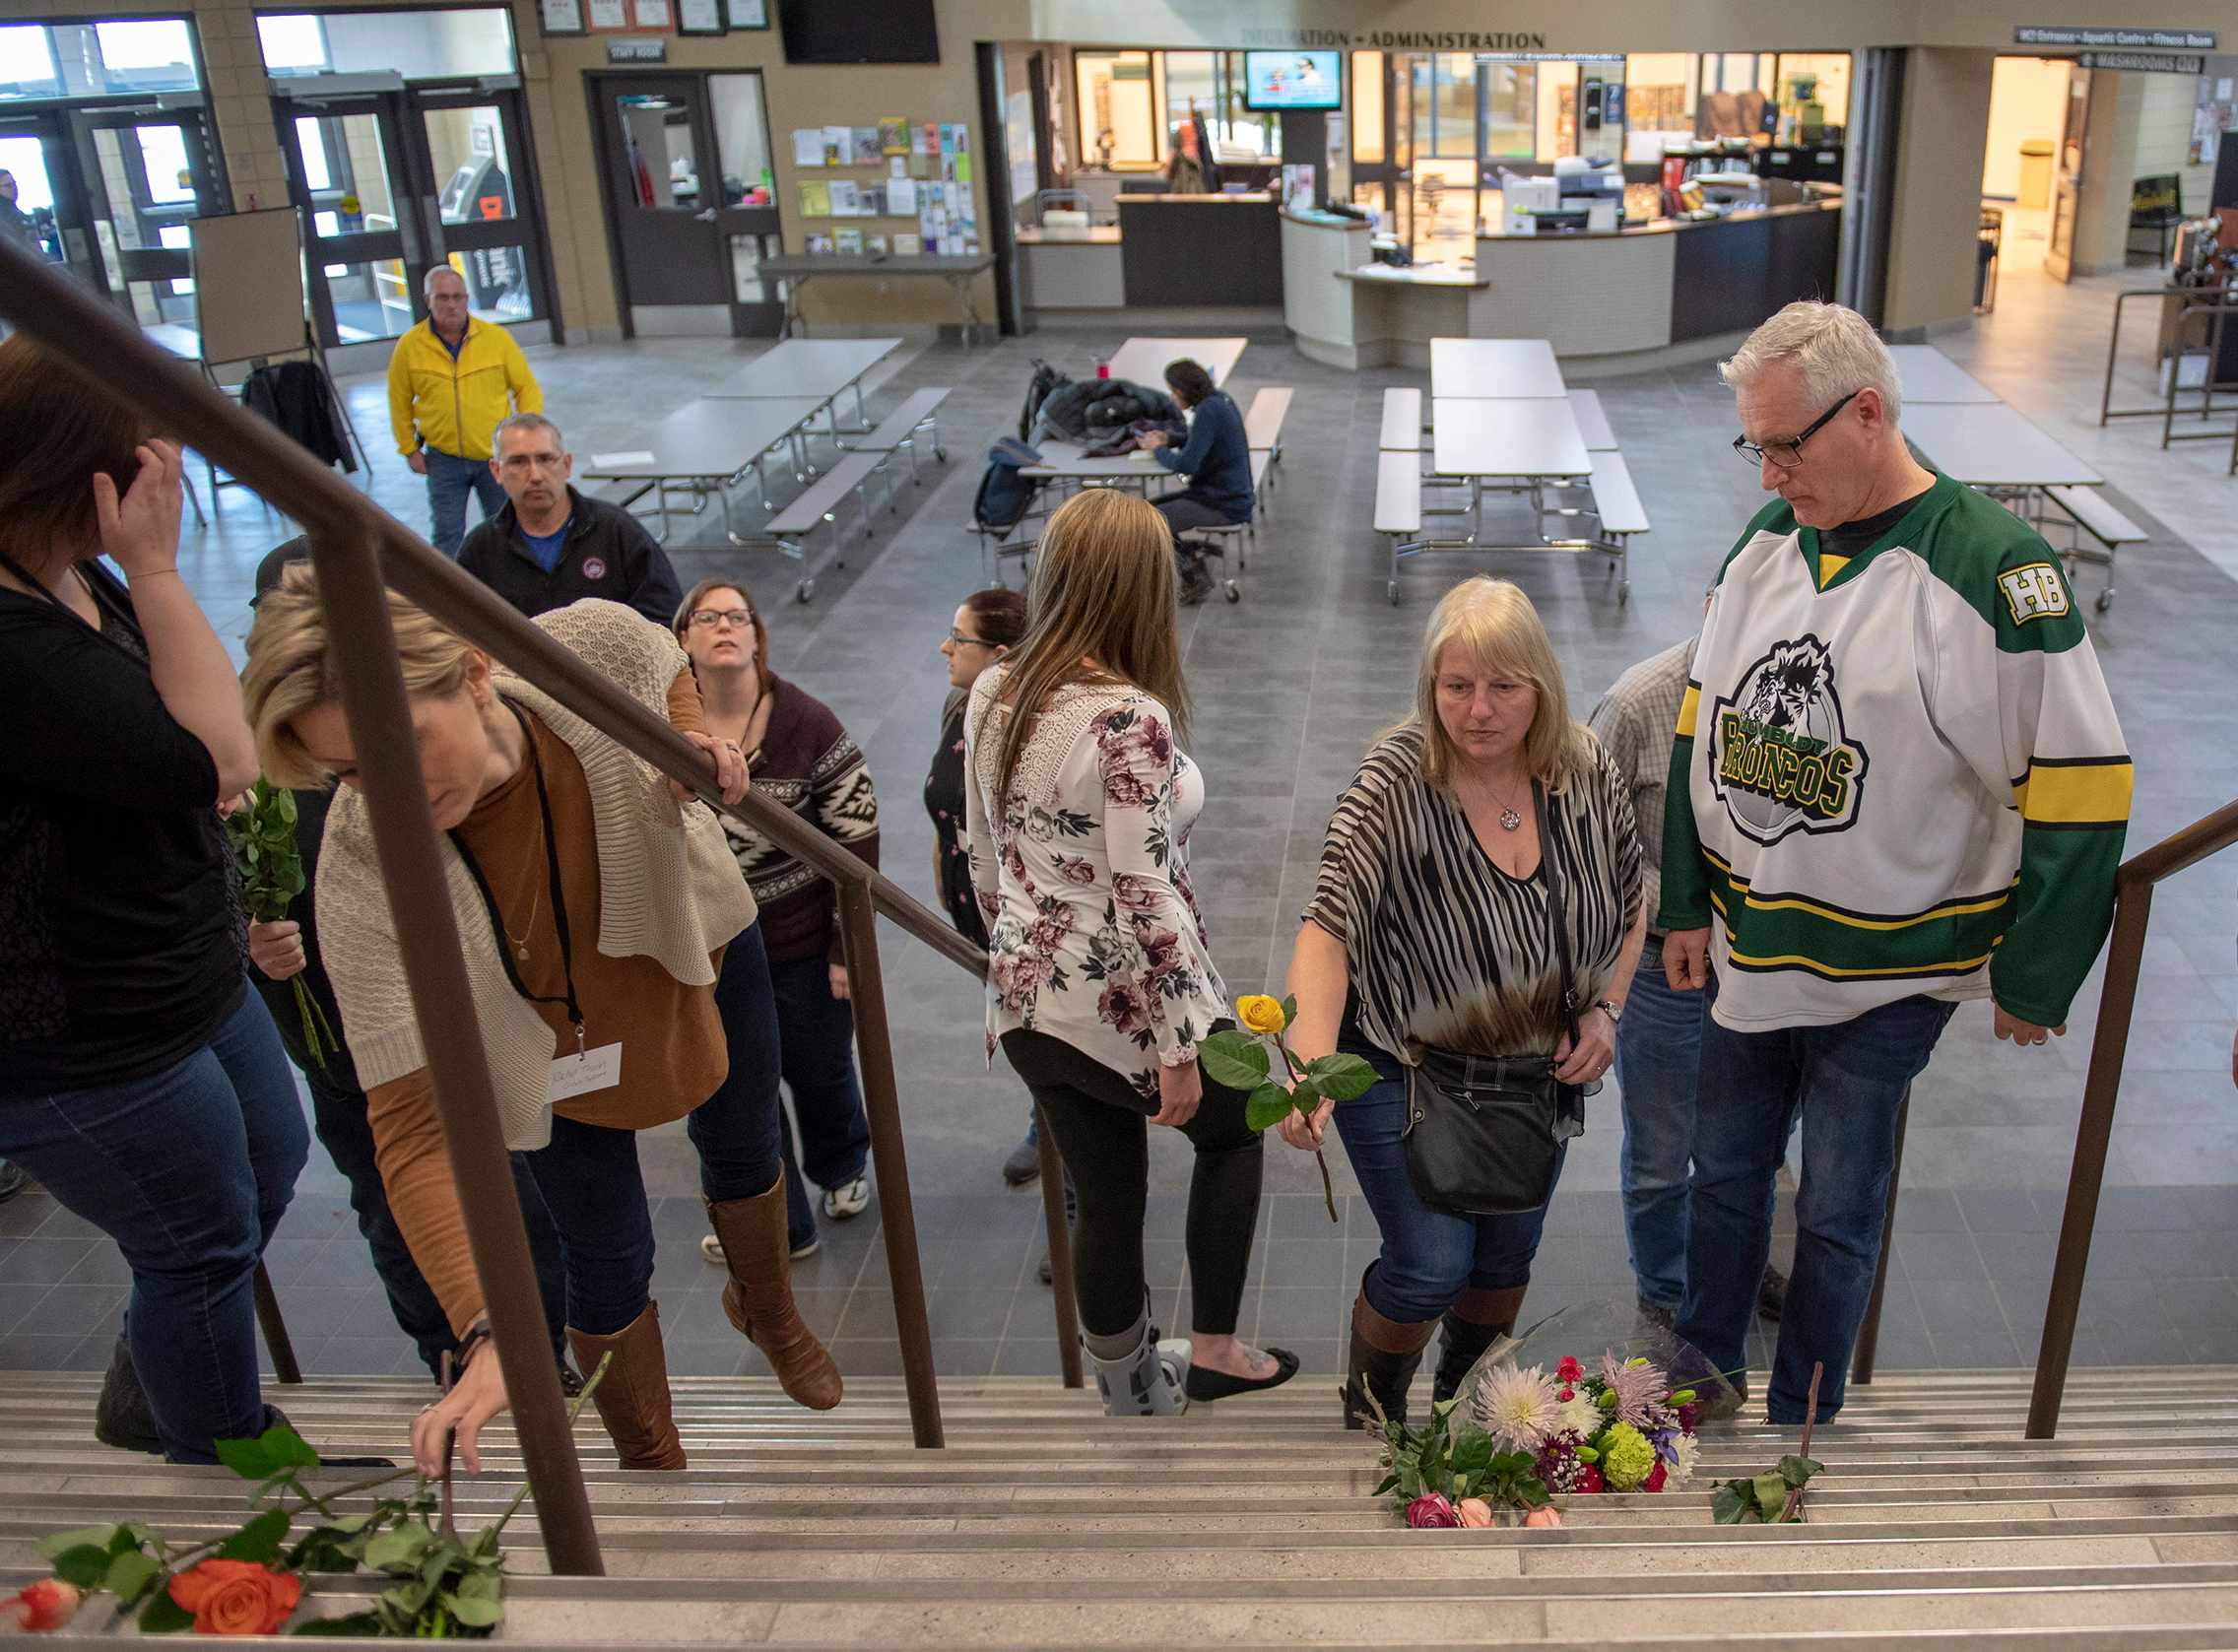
1581, 1416
1690, 1450
1518, 1408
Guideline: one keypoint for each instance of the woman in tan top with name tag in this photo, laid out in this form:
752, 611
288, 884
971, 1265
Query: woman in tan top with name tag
594, 902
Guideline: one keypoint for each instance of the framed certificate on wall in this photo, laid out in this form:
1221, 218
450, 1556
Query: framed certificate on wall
749, 14
561, 17
698, 17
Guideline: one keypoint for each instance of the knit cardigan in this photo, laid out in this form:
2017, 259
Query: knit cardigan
668, 886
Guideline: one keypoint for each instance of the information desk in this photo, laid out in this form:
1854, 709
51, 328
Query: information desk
1166, 251
1613, 293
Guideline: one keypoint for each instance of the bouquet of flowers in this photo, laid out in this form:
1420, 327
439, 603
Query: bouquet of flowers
1618, 1427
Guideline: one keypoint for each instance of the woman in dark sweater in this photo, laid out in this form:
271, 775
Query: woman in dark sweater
798, 756
138, 1080
1217, 462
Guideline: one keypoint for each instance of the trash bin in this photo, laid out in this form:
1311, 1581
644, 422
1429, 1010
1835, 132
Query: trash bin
2035, 174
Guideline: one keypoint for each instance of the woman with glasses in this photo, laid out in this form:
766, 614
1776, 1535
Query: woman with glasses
799, 756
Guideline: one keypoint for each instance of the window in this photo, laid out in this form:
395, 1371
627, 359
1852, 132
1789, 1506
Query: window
97, 59
419, 45
1446, 106
1119, 125
1511, 111
1367, 108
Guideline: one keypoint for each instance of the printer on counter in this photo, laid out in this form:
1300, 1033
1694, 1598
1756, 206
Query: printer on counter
1580, 194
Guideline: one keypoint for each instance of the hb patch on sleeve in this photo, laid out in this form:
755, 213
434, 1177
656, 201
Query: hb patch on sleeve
2033, 592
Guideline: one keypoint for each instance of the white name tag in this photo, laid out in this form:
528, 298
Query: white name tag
580, 1074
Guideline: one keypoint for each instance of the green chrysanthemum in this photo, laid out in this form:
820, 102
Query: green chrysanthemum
1626, 1457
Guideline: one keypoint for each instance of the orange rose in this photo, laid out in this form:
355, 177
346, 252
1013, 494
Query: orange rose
1547, 1516
44, 1606
1475, 1512
236, 1597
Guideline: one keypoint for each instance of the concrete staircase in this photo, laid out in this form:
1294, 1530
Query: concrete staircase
1249, 1524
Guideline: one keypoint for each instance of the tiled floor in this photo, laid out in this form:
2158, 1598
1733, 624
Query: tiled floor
1291, 685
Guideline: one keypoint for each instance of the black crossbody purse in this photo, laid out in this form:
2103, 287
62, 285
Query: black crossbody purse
1485, 1134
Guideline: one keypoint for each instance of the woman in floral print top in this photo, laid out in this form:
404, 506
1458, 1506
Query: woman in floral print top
1100, 978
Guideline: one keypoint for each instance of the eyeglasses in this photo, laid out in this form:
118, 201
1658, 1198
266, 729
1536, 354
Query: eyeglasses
961, 642
1789, 453
708, 618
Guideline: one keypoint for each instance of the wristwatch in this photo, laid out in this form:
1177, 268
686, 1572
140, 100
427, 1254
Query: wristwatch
1608, 1008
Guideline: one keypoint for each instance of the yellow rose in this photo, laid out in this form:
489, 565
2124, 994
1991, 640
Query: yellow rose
1261, 1013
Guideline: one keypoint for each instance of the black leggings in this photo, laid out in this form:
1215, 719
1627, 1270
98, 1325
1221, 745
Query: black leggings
1103, 1131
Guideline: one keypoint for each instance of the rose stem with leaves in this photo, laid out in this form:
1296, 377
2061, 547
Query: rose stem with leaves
1297, 1070
1794, 1505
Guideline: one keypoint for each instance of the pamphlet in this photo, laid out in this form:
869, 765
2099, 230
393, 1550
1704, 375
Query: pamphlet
845, 201
808, 142
867, 150
907, 245
818, 245
848, 242
876, 244
838, 146
893, 136
897, 166
816, 198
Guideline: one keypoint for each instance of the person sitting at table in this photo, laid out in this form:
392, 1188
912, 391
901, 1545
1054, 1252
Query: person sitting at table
1218, 463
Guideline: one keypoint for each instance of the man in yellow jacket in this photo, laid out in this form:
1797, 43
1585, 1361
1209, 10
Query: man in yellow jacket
450, 380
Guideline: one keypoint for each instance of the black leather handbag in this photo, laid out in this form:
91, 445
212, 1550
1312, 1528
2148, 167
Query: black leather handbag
1485, 1134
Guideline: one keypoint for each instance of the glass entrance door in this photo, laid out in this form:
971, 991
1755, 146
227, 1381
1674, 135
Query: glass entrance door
38, 211
397, 183
151, 176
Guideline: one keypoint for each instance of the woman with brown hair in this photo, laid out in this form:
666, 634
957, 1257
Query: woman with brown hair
1100, 978
595, 901
801, 757
138, 1078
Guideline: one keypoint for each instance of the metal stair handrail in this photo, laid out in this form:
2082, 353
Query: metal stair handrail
2093, 1131
358, 549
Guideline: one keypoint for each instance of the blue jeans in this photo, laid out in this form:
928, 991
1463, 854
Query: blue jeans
189, 1172
338, 1115
590, 1180
1659, 1045
817, 1035
449, 480
1847, 1083
1427, 1259
758, 1140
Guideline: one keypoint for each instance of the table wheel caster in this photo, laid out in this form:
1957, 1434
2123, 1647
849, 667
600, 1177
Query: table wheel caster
1234, 595
804, 590
939, 453
2105, 599
1391, 592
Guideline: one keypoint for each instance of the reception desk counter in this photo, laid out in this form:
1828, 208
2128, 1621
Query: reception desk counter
1617, 295
1166, 252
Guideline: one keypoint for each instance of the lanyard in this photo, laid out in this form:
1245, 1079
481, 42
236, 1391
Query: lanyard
559, 894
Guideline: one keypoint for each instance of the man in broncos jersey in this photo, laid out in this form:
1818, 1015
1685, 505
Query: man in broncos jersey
1898, 783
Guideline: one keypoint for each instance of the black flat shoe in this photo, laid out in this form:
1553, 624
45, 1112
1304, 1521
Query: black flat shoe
1218, 1386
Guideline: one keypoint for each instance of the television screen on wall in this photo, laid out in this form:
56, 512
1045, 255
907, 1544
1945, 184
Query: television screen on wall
859, 30
1292, 80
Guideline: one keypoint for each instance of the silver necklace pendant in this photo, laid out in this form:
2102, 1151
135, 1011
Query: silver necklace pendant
1511, 820
522, 955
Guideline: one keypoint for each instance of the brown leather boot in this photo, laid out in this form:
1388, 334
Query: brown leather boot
760, 1295
1385, 1354
1472, 1325
632, 1397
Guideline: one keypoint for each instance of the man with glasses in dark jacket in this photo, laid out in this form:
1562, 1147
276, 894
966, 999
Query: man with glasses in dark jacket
550, 546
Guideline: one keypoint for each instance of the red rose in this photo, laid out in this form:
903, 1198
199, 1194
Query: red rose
1567, 1395
236, 1597
1654, 1482
42, 1608
1589, 1479
1570, 1371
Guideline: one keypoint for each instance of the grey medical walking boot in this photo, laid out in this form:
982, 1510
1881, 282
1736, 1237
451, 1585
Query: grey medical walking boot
1136, 1374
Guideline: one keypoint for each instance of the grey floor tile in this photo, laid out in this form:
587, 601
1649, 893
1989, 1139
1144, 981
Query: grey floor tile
1972, 1350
